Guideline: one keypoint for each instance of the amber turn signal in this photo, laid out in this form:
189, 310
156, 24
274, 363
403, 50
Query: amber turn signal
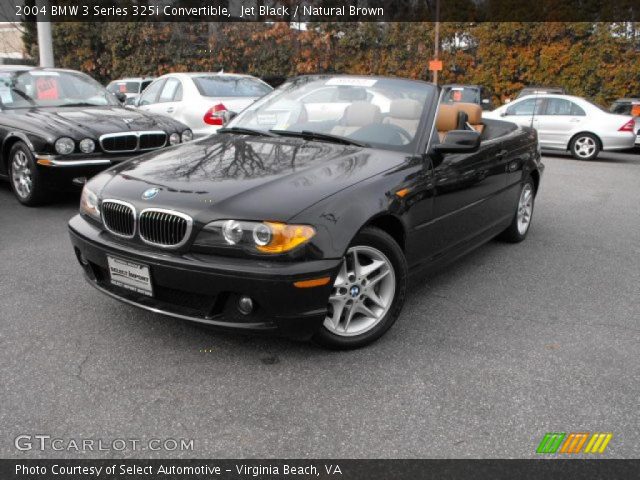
286, 237
316, 282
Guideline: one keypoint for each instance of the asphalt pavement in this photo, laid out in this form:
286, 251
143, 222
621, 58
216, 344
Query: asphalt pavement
508, 343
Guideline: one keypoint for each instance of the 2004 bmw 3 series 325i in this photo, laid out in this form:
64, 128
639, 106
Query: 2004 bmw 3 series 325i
306, 214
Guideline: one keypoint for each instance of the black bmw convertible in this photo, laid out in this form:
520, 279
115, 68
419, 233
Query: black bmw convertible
307, 213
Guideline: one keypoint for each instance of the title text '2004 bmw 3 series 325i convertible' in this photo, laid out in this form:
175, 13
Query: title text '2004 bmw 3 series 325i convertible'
306, 214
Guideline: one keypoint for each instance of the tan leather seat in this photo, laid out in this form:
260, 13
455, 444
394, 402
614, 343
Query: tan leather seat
446, 120
356, 116
474, 114
404, 113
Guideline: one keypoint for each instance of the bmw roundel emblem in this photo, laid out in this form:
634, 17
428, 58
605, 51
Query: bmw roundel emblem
150, 193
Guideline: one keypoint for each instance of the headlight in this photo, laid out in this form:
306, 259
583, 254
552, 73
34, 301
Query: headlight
174, 138
187, 136
89, 203
87, 145
65, 145
263, 237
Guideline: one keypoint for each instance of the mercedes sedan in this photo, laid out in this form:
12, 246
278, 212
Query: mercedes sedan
565, 122
291, 222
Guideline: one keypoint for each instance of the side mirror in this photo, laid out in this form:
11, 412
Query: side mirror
459, 141
122, 98
229, 115
503, 113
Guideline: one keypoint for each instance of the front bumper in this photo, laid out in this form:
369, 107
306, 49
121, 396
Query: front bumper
62, 172
206, 289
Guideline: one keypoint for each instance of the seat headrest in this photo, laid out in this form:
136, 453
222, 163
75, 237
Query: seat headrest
405, 108
359, 114
473, 111
447, 118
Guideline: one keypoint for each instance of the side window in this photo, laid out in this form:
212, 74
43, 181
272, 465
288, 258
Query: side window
558, 106
145, 84
171, 88
151, 93
577, 111
177, 96
526, 107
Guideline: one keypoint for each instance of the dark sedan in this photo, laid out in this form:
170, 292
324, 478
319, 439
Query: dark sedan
305, 222
60, 127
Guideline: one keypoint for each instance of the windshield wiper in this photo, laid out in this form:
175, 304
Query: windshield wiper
309, 135
80, 104
246, 131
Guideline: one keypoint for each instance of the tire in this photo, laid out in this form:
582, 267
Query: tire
518, 229
25, 180
585, 146
377, 252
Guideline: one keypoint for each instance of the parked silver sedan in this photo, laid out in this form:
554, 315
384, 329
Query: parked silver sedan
565, 122
201, 100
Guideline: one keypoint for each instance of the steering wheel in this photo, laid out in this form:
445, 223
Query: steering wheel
401, 131
383, 133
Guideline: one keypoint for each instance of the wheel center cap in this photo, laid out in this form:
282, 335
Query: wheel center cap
354, 291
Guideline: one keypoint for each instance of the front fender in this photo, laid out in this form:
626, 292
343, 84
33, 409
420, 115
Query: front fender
338, 218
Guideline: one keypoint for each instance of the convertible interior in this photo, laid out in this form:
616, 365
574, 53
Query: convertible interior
468, 116
365, 121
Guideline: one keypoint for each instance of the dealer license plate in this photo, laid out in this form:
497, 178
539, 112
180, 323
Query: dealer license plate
130, 275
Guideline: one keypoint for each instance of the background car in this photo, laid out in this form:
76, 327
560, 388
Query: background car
201, 100
132, 87
310, 227
629, 106
565, 122
60, 127
477, 94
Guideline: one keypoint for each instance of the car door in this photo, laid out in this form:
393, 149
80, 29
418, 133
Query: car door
558, 121
169, 101
149, 98
525, 112
466, 199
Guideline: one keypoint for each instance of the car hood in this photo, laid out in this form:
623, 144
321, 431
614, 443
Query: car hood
91, 122
245, 177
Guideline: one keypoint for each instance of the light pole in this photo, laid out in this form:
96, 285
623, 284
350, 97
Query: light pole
437, 41
45, 39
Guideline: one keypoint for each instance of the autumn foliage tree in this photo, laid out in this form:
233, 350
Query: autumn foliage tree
596, 60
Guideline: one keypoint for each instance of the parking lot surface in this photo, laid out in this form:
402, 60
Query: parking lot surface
508, 343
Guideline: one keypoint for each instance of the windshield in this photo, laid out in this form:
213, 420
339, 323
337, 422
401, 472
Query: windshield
461, 95
380, 112
228, 86
124, 87
50, 88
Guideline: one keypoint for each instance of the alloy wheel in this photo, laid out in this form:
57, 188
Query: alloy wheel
362, 292
585, 147
525, 208
21, 174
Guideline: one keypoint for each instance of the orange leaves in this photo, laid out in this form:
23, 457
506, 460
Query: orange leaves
601, 60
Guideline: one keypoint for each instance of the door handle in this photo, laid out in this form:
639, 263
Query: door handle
574, 120
170, 110
500, 155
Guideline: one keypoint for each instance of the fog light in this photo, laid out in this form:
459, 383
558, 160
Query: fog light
245, 305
